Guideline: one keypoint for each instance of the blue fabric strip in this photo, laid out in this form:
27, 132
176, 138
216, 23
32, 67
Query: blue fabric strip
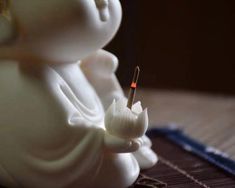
208, 153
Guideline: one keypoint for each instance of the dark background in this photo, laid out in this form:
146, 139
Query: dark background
183, 44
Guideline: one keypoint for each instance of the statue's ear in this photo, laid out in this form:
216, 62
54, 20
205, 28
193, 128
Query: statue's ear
7, 24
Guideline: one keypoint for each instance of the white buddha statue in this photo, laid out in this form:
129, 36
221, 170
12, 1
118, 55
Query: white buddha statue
60, 126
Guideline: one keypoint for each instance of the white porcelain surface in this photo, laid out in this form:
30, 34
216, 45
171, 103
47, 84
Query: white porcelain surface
56, 84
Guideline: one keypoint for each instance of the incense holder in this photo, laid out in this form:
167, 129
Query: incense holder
124, 122
58, 122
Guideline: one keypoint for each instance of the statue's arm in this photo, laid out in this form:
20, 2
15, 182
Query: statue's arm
77, 123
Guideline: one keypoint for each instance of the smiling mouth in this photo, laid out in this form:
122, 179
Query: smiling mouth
102, 6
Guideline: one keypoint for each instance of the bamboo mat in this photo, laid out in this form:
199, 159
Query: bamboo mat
207, 118
180, 169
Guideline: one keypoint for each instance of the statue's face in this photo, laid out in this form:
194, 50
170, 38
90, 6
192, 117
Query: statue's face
66, 30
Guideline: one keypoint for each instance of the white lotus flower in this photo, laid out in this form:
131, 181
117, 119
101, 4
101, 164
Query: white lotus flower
125, 123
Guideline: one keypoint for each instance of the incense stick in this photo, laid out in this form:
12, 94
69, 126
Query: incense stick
133, 87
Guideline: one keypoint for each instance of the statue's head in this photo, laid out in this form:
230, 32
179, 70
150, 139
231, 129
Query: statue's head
59, 30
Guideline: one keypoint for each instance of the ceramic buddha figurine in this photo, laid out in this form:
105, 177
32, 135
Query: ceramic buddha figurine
63, 116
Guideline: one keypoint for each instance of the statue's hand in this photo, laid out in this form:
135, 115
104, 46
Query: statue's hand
116, 144
120, 121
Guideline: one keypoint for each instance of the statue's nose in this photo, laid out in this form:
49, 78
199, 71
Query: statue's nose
102, 6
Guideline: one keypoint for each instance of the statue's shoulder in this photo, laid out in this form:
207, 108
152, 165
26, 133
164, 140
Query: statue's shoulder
9, 73
101, 62
16, 79
20, 89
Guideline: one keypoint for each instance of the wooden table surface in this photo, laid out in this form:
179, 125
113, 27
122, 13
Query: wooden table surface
207, 118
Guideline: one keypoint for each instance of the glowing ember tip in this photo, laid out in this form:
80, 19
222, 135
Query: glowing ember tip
133, 87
